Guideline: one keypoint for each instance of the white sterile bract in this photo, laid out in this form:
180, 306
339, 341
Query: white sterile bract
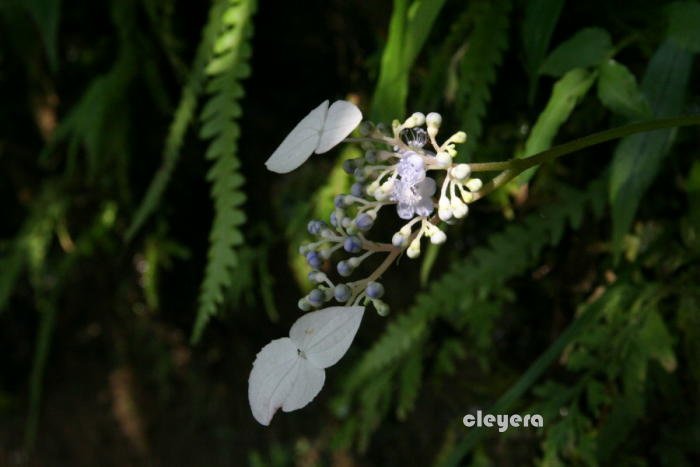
318, 132
289, 372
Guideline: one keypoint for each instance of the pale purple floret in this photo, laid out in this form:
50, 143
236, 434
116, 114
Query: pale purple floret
413, 191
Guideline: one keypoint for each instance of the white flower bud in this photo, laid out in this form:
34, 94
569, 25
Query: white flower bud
467, 197
354, 261
433, 119
461, 171
413, 250
438, 237
443, 159
474, 184
445, 213
405, 231
417, 119
459, 209
459, 137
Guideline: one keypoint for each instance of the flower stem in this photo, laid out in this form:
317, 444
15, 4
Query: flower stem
514, 167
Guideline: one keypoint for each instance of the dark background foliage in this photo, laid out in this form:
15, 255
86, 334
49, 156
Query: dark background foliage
97, 365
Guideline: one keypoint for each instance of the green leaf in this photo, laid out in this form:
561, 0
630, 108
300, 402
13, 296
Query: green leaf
46, 14
477, 70
618, 91
637, 158
408, 31
656, 339
684, 25
588, 47
567, 92
541, 17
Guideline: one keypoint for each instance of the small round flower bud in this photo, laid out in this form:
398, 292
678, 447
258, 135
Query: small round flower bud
413, 250
333, 220
314, 227
316, 277
344, 269
375, 290
433, 119
354, 261
459, 209
438, 237
474, 184
314, 260
381, 307
303, 304
461, 171
316, 297
357, 190
459, 137
342, 293
345, 222
352, 244
417, 119
364, 222
366, 128
371, 157
359, 174
339, 201
443, 159
349, 166
445, 214
398, 240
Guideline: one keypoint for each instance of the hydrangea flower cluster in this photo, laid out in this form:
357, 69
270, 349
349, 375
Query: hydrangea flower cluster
401, 168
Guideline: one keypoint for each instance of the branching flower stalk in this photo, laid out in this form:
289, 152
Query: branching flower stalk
403, 168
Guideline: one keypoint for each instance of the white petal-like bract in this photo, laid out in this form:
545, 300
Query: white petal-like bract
342, 118
288, 373
325, 335
322, 129
300, 143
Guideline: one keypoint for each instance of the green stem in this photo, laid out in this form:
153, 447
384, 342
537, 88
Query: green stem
516, 166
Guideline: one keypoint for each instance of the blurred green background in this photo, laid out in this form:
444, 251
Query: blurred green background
146, 255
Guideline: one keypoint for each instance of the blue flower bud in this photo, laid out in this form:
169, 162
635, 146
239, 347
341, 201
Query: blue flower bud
352, 244
314, 227
349, 166
357, 190
334, 219
359, 174
371, 157
344, 268
339, 201
342, 293
375, 290
316, 297
364, 221
314, 260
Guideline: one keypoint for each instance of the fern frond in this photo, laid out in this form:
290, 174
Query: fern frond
477, 280
228, 65
485, 47
182, 119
